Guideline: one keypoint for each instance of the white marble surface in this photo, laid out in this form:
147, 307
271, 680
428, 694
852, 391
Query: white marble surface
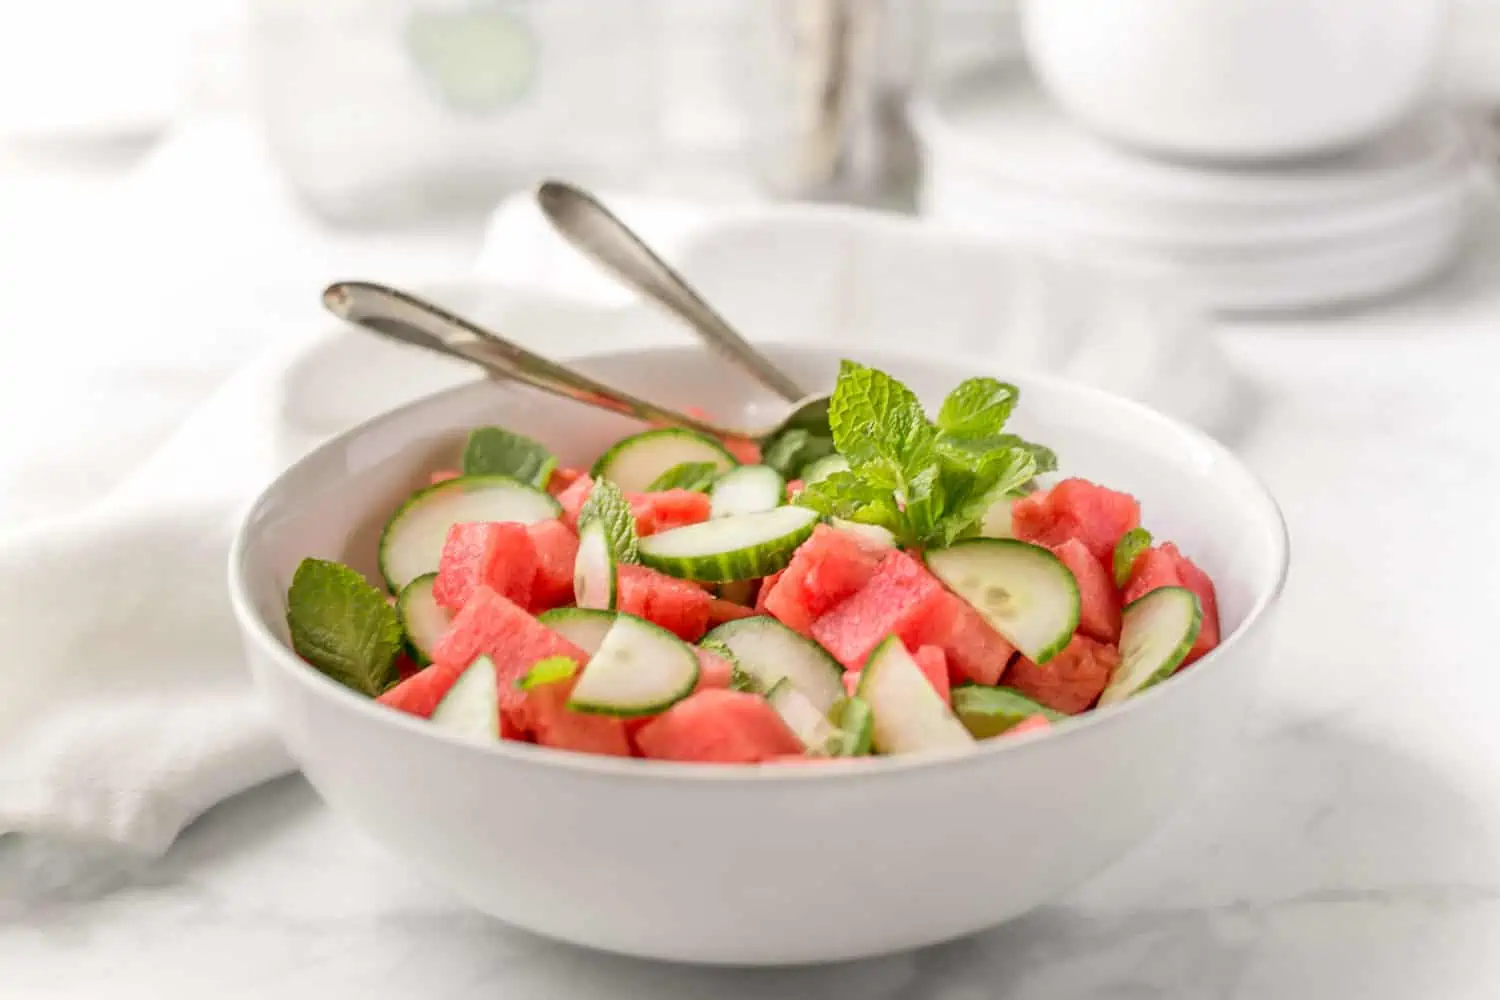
1354, 851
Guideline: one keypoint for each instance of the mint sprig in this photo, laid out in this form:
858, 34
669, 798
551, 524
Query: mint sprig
694, 476
608, 505
343, 626
495, 451
927, 482
1131, 546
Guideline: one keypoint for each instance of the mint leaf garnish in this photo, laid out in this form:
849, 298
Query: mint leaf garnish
878, 421
343, 626
548, 671
608, 505
794, 450
495, 451
1131, 546
695, 476
979, 407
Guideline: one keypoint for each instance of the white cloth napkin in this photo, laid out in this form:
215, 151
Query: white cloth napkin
127, 710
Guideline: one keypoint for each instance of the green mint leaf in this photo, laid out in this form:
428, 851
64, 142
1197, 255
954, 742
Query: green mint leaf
1131, 546
343, 626
876, 419
972, 493
608, 505
979, 407
495, 451
794, 449
926, 499
694, 476
548, 671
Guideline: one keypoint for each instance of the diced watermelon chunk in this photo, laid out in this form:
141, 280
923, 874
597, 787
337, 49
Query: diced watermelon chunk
420, 693
406, 667
975, 651
498, 555
767, 585
562, 478
556, 550
676, 605
900, 599
571, 499
1072, 680
1076, 508
1098, 601
545, 714
745, 452
718, 726
934, 665
793, 487
442, 476
826, 569
668, 509
1165, 566
721, 611
1030, 724
713, 670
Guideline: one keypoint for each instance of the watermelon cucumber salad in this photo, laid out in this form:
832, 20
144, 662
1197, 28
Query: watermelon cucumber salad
898, 584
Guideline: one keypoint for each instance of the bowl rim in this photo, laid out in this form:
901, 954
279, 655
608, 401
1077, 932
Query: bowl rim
256, 630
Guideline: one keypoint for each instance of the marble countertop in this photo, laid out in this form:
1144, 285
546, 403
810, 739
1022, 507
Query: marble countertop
1352, 851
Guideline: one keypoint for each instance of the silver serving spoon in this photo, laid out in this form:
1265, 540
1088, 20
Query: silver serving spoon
401, 316
598, 234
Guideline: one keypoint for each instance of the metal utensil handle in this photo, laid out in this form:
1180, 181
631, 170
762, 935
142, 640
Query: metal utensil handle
595, 231
412, 320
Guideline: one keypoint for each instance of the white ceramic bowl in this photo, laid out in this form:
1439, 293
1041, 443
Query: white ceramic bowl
1236, 79
753, 865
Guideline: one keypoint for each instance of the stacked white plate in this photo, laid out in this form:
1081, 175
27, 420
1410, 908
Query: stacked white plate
1317, 233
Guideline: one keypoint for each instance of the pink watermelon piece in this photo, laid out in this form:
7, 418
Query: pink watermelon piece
420, 693
793, 487
544, 713
767, 585
668, 509
745, 452
713, 670
676, 605
1165, 566
1072, 680
721, 611
826, 570
571, 498
934, 664
1076, 508
851, 682
562, 478
1030, 724
900, 599
406, 667
975, 651
718, 726
556, 550
442, 476
1098, 601
498, 555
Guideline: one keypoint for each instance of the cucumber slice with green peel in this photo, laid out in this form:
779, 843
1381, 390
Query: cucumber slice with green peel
1157, 633
595, 576
822, 468
990, 711
819, 737
423, 620
583, 627
412, 542
471, 708
639, 669
877, 536
635, 463
549, 671
748, 489
995, 522
767, 651
1023, 591
856, 726
907, 714
726, 549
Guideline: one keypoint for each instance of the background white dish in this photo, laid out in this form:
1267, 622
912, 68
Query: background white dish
760, 866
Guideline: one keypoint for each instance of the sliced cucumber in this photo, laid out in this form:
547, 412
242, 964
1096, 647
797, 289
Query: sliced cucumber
990, 711
748, 489
1157, 633
583, 627
1022, 590
822, 468
471, 708
767, 651
874, 534
856, 726
595, 577
412, 543
639, 669
819, 737
995, 523
549, 671
423, 620
725, 549
907, 715
636, 462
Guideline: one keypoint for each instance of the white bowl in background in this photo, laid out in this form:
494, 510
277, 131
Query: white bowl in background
751, 865
1241, 80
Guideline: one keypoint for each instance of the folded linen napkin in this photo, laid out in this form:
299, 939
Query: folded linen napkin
126, 708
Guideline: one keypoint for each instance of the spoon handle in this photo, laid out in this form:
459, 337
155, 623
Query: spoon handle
406, 318
595, 231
